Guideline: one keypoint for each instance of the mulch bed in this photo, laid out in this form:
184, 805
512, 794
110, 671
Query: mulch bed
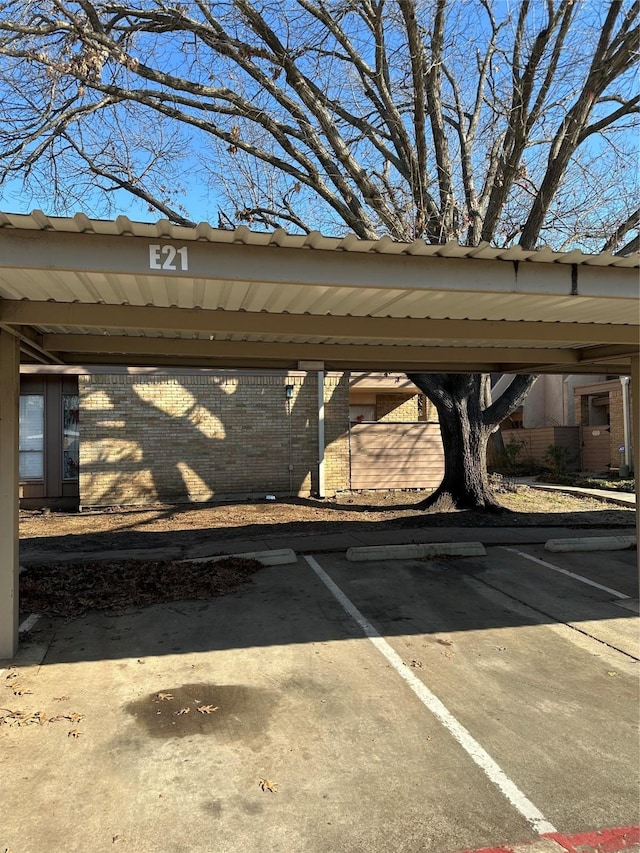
71, 590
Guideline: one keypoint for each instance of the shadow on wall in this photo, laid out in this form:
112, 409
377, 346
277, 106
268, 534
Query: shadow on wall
147, 437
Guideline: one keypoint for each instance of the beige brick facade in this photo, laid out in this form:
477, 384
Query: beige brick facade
396, 408
616, 418
147, 438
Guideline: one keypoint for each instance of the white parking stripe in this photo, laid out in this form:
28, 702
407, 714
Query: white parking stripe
482, 758
565, 572
28, 623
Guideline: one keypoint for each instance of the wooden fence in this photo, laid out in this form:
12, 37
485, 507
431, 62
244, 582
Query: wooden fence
388, 455
536, 442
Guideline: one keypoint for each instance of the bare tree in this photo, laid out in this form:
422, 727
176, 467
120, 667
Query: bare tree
418, 119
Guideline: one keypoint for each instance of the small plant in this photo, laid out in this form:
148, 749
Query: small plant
558, 458
509, 456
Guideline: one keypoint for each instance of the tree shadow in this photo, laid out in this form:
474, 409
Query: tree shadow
159, 440
288, 606
299, 533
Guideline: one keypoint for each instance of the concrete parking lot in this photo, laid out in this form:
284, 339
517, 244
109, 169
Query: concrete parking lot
412, 705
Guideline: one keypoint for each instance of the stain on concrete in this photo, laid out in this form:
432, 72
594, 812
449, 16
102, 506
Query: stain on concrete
231, 711
213, 807
249, 807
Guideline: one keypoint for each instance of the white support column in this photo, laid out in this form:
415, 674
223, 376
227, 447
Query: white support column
321, 433
9, 566
626, 422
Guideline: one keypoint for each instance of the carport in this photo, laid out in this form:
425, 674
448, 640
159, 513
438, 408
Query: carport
81, 291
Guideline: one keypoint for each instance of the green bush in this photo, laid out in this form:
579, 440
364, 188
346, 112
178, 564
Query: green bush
558, 459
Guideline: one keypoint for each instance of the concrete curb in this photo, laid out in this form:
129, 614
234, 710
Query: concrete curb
405, 552
595, 543
279, 557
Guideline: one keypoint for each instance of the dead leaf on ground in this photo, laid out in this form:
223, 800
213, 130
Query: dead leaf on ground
23, 718
416, 663
164, 697
18, 690
268, 785
73, 718
181, 712
611, 672
74, 733
444, 642
207, 709
123, 584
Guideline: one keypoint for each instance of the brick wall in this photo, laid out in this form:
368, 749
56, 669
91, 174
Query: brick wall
148, 438
616, 419
394, 407
398, 408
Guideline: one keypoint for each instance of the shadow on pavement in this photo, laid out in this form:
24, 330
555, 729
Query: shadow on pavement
288, 605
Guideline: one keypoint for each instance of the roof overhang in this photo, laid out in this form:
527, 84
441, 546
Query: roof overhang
80, 291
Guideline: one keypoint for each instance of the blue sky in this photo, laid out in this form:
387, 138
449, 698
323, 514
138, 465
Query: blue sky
201, 199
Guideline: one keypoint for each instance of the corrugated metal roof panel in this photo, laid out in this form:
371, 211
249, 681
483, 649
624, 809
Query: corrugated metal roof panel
122, 225
343, 301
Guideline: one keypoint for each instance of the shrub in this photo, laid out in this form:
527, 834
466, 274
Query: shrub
558, 458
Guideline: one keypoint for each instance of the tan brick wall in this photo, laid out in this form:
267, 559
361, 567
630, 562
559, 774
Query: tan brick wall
147, 438
582, 409
616, 419
395, 408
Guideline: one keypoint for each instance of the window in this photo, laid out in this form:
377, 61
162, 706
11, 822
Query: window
70, 436
31, 437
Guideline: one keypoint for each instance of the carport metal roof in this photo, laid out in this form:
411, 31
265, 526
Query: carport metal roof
78, 290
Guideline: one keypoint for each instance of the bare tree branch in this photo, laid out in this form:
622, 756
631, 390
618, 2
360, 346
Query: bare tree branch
631, 222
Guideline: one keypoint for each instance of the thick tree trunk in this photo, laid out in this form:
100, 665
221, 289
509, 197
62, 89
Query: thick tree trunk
467, 417
465, 484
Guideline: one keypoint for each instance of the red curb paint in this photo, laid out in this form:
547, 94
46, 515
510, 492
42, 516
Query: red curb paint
600, 841
597, 841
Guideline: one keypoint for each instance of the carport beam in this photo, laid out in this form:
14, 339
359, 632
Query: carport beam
9, 495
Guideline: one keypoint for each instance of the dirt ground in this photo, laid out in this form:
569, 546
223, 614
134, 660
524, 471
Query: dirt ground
188, 523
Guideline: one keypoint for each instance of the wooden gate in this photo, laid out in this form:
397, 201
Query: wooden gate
388, 455
595, 448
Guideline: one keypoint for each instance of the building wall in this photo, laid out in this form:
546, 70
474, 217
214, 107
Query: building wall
616, 420
155, 437
394, 408
550, 401
611, 415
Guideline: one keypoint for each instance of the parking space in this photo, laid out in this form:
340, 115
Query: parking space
614, 570
437, 705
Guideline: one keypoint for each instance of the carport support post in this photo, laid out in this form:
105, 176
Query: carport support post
321, 433
9, 567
